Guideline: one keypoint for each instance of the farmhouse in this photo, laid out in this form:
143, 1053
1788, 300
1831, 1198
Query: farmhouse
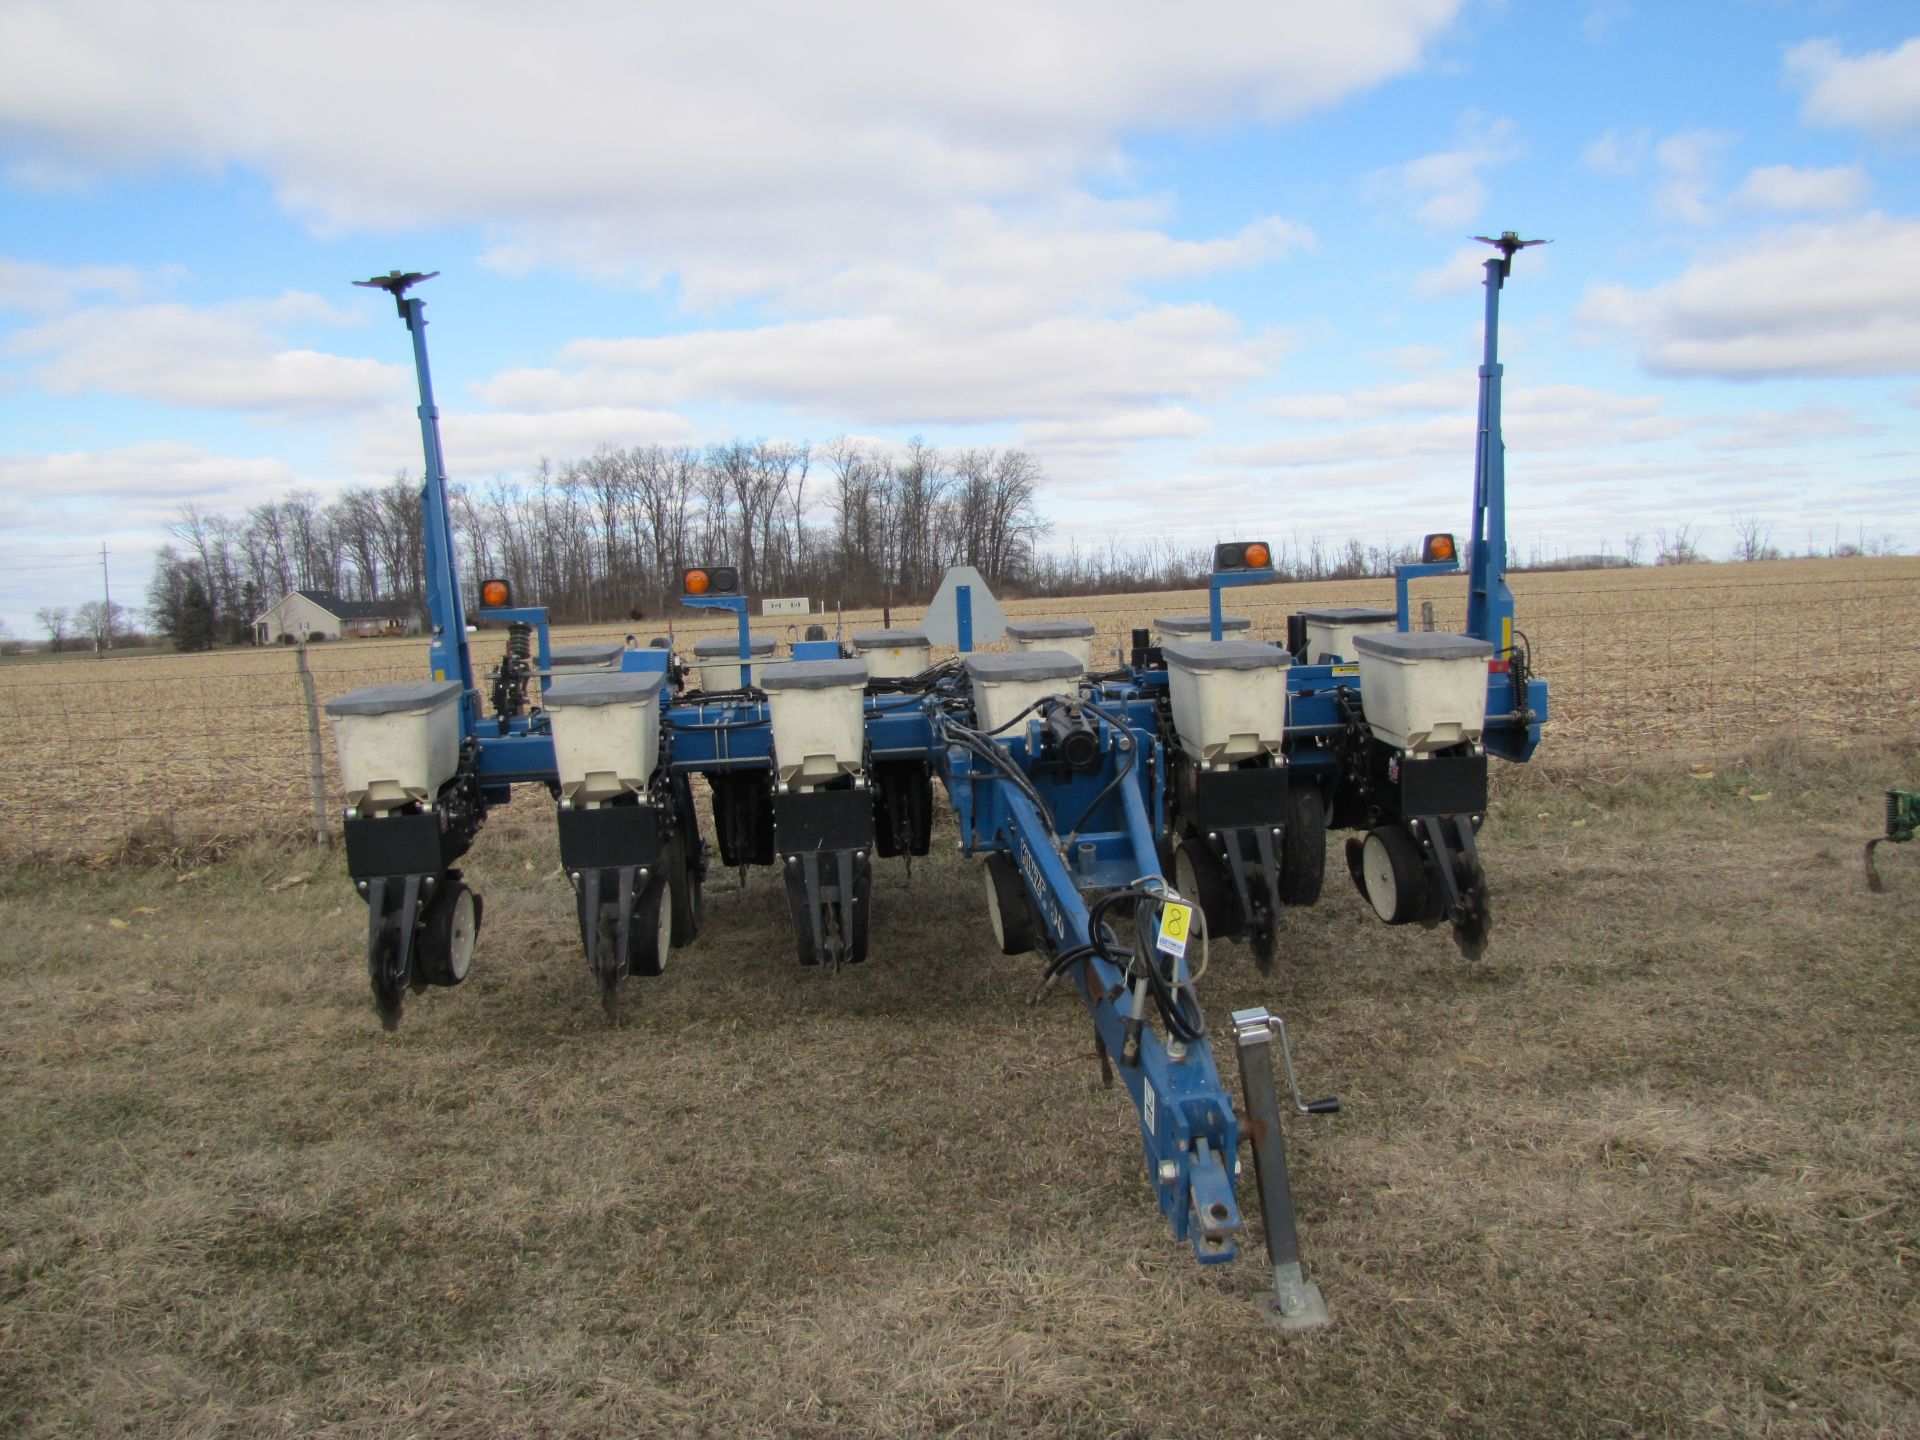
322, 615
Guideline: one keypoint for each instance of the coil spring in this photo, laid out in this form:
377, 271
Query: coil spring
520, 640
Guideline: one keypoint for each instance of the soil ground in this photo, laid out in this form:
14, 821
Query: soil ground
1649, 1168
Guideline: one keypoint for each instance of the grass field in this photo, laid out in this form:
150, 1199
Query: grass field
1647, 1169
187, 751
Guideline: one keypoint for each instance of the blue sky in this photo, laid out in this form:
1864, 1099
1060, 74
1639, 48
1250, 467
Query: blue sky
1208, 262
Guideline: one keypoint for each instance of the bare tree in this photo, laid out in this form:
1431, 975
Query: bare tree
1679, 546
54, 619
99, 620
1752, 539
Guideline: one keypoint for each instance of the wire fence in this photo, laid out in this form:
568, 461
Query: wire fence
185, 751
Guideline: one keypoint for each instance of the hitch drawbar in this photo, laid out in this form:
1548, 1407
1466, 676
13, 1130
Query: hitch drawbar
1293, 1304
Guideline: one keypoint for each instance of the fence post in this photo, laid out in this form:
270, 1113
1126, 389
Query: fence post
316, 764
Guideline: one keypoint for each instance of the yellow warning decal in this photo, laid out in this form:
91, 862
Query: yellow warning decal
1175, 919
1344, 669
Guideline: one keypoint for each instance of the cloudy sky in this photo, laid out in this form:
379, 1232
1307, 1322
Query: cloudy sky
1208, 261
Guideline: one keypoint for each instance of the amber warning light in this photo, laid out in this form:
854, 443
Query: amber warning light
1242, 555
496, 594
1438, 550
710, 580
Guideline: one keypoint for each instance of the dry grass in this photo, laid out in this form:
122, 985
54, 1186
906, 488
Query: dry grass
1646, 1170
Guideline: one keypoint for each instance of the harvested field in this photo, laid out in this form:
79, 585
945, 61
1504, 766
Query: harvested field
1646, 1170
1691, 661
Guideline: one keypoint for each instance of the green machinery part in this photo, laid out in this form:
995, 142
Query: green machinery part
1903, 820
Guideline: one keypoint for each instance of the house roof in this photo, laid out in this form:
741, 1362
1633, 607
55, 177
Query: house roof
354, 609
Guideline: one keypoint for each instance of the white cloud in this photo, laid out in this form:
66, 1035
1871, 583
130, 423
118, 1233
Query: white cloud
1878, 92
1462, 271
647, 140
1688, 165
1804, 300
222, 357
30, 287
984, 273
1446, 189
1538, 419
1618, 153
131, 491
478, 445
1778, 429
1792, 190
886, 369
1437, 393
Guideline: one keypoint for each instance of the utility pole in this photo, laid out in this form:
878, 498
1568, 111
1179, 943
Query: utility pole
106, 593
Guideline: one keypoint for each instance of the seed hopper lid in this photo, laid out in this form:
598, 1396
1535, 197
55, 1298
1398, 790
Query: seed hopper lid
1422, 645
1350, 615
1024, 665
1225, 655
1049, 629
890, 639
814, 675
1200, 625
401, 698
612, 687
598, 653
719, 647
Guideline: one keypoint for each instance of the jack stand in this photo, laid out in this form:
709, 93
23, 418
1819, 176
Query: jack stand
1293, 1303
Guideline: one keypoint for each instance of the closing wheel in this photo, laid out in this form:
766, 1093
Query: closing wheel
687, 905
803, 947
1470, 934
1263, 938
1303, 850
1008, 909
447, 936
1199, 875
856, 921
649, 937
1393, 874
389, 994
845, 925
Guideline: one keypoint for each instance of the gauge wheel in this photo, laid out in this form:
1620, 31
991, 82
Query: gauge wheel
448, 935
1009, 911
1303, 849
687, 906
1393, 873
1199, 875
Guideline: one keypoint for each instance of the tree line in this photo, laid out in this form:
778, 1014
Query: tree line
606, 537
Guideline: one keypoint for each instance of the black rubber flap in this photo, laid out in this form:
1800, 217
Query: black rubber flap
1199, 625
611, 687
1422, 645
812, 674
1224, 655
889, 639
396, 699
719, 647
1024, 665
598, 654
1049, 629
1350, 615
